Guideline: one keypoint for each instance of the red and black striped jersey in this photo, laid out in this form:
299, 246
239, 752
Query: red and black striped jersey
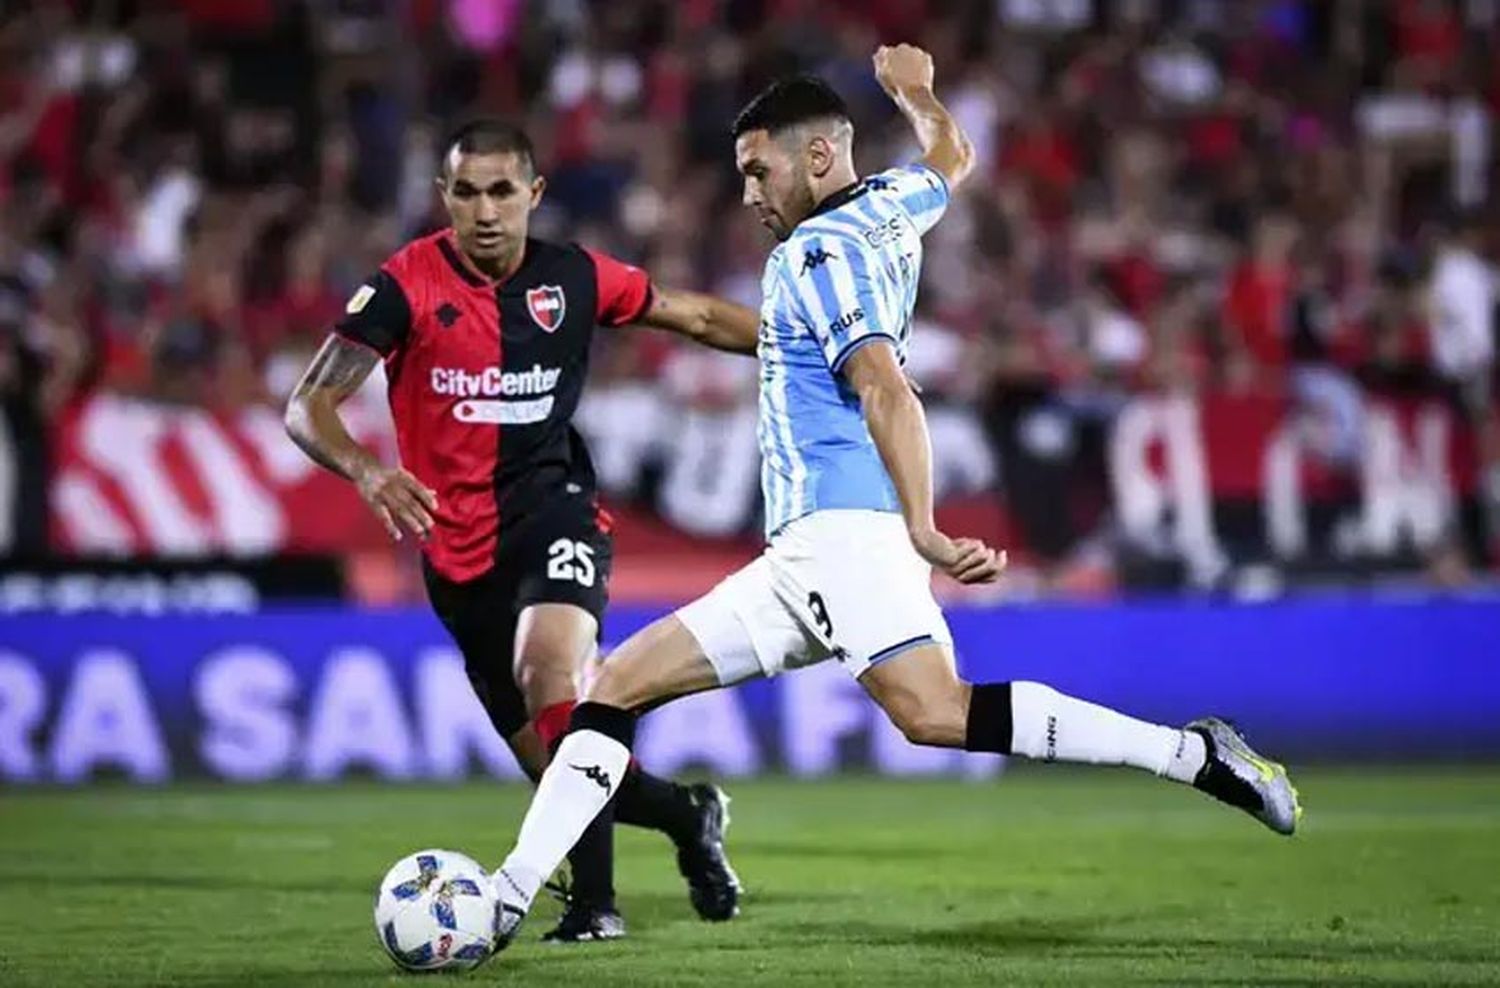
484, 378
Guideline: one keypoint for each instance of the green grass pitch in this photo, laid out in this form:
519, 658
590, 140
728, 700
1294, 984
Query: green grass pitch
1046, 876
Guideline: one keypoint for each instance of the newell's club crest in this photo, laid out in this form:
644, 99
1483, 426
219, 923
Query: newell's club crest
547, 305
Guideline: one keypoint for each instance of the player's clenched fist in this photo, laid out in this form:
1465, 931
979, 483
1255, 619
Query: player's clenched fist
398, 499
903, 69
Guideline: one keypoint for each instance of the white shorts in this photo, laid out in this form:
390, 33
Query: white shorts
842, 584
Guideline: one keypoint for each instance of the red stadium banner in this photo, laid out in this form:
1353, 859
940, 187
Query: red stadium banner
139, 478
1174, 460
133, 477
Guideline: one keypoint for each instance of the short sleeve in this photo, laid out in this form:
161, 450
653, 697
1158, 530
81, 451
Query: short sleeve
377, 315
919, 189
624, 290
843, 304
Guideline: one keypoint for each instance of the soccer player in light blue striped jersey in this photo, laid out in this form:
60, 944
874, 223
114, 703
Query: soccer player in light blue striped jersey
847, 480
844, 278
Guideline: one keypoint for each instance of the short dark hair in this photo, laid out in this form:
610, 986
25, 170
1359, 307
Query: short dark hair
490, 135
789, 102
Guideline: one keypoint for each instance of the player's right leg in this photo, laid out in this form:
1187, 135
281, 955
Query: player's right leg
560, 610
592, 760
663, 662
738, 631
552, 641
518, 670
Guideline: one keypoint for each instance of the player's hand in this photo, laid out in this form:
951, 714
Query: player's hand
966, 560
398, 499
903, 69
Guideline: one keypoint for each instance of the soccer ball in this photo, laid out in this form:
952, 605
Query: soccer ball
436, 911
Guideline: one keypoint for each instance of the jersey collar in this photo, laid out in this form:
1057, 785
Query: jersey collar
472, 276
834, 200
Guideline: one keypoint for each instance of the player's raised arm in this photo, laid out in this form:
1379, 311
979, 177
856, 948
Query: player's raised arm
703, 318
905, 73
899, 428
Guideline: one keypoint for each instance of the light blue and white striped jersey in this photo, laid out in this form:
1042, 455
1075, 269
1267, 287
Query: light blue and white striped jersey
846, 276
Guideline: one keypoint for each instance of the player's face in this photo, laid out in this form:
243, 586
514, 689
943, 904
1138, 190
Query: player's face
777, 186
489, 198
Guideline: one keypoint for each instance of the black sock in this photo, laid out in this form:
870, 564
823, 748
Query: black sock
612, 722
649, 801
593, 863
989, 727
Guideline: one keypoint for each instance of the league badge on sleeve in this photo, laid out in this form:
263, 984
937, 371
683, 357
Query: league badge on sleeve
547, 306
359, 300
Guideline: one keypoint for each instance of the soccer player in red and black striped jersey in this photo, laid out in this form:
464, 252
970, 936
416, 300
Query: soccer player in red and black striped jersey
484, 334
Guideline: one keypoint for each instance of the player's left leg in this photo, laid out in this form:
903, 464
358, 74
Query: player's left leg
857, 583
921, 692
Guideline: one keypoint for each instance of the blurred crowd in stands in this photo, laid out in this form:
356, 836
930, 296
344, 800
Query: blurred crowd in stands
1288, 200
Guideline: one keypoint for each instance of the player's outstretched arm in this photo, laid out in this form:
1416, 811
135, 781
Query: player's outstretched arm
703, 318
312, 420
899, 428
905, 73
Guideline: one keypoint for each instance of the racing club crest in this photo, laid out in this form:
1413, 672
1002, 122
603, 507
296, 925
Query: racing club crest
547, 305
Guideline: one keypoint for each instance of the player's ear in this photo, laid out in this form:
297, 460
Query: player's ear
538, 187
820, 155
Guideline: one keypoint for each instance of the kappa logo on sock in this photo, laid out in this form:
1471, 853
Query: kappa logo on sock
594, 774
1051, 739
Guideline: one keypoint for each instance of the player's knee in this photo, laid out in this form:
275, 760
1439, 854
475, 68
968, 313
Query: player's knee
544, 677
911, 720
923, 728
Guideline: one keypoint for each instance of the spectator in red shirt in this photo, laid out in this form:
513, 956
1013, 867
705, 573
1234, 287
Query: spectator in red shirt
1041, 152
297, 304
1259, 294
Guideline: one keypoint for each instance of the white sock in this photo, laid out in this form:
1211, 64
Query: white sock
1052, 726
1189, 758
584, 774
